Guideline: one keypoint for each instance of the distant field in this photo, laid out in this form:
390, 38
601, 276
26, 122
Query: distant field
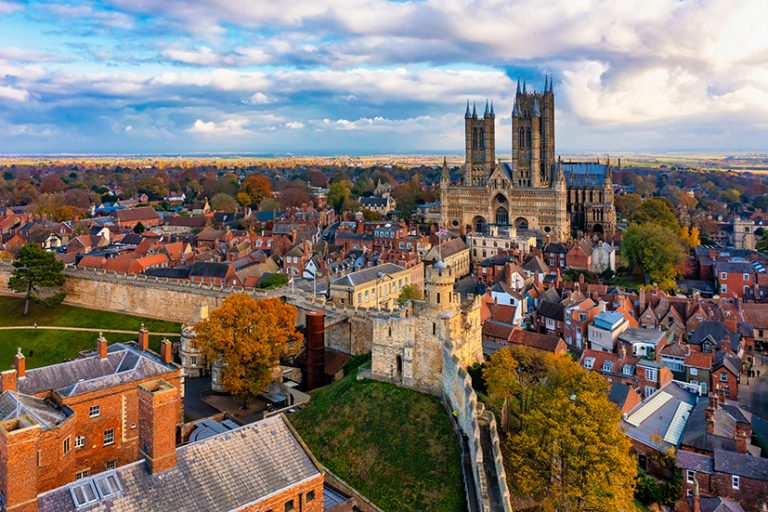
44, 347
394, 445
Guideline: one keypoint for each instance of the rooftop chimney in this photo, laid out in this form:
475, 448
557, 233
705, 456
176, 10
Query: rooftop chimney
696, 504
8, 381
166, 352
725, 344
101, 346
143, 338
709, 413
21, 364
158, 412
18, 463
741, 435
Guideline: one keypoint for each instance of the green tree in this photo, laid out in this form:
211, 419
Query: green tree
275, 280
33, 269
654, 249
223, 202
337, 195
627, 204
657, 211
139, 228
567, 451
409, 292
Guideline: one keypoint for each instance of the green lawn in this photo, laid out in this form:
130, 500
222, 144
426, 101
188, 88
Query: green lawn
44, 347
393, 445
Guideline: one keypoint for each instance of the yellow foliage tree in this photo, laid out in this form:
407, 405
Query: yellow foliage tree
690, 236
567, 451
250, 335
256, 188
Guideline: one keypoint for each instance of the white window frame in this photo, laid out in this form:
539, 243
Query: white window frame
736, 482
94, 411
694, 371
690, 476
589, 362
651, 374
79, 441
111, 433
723, 377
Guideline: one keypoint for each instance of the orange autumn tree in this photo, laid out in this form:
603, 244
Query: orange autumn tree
250, 336
254, 190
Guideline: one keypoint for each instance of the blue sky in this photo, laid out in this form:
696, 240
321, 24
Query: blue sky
371, 76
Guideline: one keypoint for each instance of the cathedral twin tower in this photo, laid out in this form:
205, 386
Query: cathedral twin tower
533, 190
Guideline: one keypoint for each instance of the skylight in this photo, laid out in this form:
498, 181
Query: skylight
90, 490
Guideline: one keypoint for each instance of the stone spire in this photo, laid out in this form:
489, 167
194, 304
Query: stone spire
536, 112
525, 91
493, 114
516, 108
446, 175
467, 114
487, 111
545, 84
518, 86
474, 110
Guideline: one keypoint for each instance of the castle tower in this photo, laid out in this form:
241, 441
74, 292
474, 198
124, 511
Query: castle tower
479, 144
439, 287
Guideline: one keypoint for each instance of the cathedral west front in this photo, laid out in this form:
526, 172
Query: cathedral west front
534, 190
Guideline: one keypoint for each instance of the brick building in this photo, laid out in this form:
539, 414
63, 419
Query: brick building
130, 217
260, 467
77, 418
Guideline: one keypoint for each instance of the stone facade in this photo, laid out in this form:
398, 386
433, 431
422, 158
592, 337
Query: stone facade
533, 190
408, 349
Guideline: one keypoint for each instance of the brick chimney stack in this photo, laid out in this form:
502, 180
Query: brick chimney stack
101, 346
741, 435
143, 338
709, 413
166, 352
20, 364
725, 344
8, 381
18, 463
158, 412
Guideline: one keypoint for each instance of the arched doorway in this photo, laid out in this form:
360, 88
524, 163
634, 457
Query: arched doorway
398, 367
597, 228
478, 224
521, 223
502, 216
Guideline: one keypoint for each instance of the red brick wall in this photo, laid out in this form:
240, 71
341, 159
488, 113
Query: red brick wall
158, 403
751, 493
732, 385
277, 502
18, 465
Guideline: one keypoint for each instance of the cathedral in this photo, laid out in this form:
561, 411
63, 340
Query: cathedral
534, 190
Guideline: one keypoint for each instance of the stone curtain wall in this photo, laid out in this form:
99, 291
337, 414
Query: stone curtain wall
458, 392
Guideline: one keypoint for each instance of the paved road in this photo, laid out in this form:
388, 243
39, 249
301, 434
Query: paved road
84, 329
194, 389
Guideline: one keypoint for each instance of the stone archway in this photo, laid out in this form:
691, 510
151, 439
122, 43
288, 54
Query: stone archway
398, 367
521, 223
478, 224
597, 228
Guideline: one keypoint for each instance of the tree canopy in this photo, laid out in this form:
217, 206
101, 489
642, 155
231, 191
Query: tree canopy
33, 269
250, 336
657, 211
656, 250
564, 447
338, 193
223, 202
409, 292
254, 190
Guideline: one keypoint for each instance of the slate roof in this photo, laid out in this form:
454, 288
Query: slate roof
742, 464
124, 363
46, 412
712, 328
446, 249
536, 264
695, 461
618, 393
655, 420
553, 310
736, 267
640, 335
696, 435
374, 201
367, 274
209, 269
223, 472
717, 504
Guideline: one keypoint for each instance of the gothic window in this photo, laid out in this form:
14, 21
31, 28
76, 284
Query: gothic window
528, 137
520, 139
482, 138
502, 217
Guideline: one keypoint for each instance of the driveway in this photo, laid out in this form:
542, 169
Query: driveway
194, 390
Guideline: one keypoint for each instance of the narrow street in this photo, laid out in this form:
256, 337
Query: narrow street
754, 396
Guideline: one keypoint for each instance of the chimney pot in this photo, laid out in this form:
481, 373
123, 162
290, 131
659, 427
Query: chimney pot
8, 382
143, 338
158, 415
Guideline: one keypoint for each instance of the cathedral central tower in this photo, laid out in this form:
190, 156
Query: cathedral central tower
480, 144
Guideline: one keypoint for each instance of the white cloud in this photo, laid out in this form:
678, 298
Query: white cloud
259, 98
14, 94
294, 125
9, 7
224, 127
